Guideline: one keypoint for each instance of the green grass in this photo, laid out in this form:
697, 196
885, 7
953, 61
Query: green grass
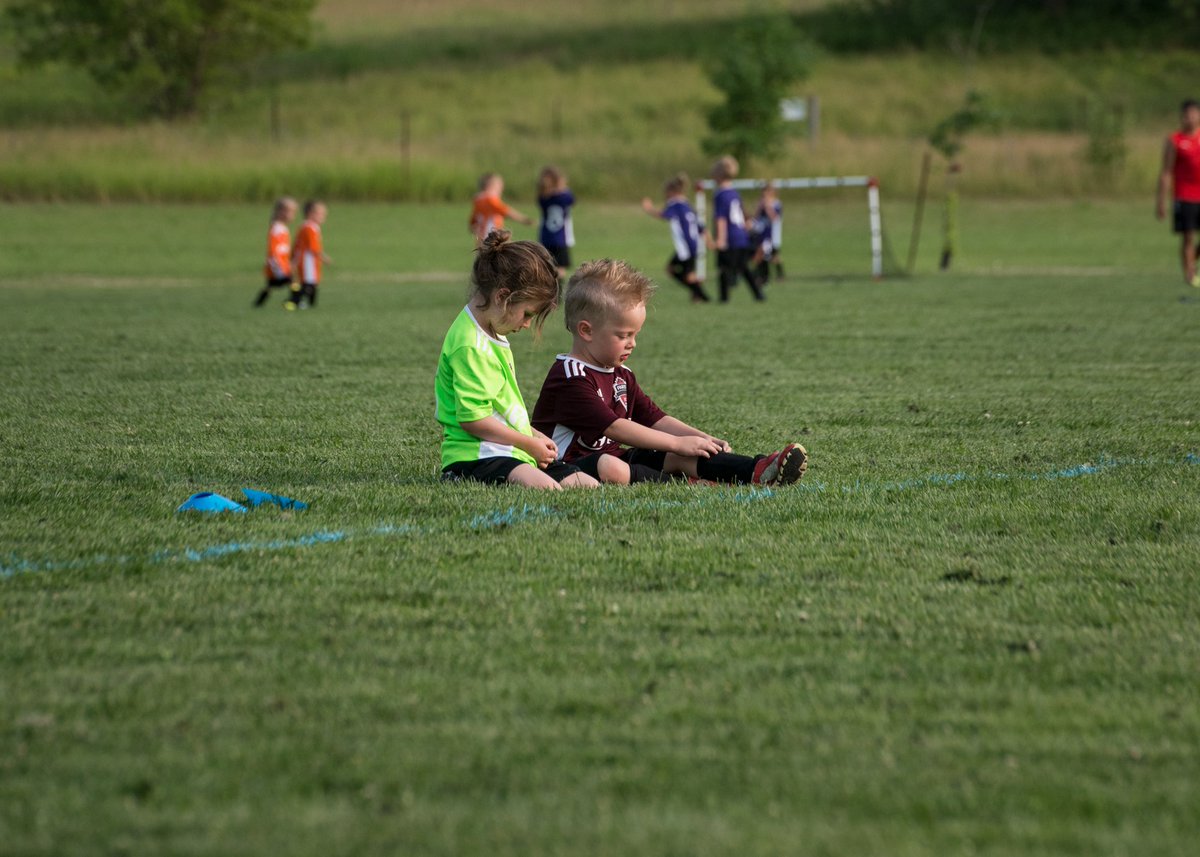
616, 96
880, 661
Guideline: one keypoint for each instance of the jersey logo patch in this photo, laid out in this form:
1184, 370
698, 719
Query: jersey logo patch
619, 393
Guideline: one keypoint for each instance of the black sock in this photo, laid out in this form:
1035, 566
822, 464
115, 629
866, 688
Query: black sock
262, 297
645, 473
727, 467
695, 288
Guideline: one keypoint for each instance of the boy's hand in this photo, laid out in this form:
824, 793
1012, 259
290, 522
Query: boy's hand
542, 449
723, 445
648, 205
696, 447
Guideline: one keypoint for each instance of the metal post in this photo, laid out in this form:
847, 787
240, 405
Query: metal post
702, 250
814, 119
276, 119
876, 230
406, 146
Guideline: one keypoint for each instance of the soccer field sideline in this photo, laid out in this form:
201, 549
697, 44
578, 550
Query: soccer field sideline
515, 515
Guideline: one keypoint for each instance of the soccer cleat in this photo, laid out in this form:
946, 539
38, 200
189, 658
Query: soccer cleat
290, 306
783, 467
1195, 281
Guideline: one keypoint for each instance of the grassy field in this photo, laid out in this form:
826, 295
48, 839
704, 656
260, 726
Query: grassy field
615, 94
971, 629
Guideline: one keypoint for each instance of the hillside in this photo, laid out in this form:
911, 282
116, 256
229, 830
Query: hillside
616, 96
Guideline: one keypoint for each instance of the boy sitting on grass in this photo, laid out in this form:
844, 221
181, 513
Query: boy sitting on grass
602, 422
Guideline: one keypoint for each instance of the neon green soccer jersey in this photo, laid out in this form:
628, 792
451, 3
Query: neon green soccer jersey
475, 379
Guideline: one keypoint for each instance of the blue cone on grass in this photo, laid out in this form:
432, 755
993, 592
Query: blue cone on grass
207, 501
258, 498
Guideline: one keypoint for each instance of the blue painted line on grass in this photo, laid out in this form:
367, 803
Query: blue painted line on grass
512, 515
499, 519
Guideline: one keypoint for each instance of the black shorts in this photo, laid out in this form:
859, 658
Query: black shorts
561, 255
681, 269
276, 282
1187, 216
495, 471
645, 464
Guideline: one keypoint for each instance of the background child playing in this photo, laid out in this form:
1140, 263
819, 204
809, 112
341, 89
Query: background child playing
685, 233
309, 256
765, 234
486, 432
488, 211
600, 419
729, 231
278, 267
557, 233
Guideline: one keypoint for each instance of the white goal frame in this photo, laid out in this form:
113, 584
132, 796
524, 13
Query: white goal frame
874, 217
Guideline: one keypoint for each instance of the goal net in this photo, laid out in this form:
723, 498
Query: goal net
829, 234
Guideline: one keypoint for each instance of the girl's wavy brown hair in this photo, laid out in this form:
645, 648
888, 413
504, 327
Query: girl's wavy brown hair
524, 268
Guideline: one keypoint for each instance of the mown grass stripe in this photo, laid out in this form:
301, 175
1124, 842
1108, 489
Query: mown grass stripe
513, 515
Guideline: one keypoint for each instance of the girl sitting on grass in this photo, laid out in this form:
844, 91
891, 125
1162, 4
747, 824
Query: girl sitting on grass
486, 435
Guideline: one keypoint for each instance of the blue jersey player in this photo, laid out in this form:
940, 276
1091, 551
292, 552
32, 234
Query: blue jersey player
730, 237
766, 234
557, 233
685, 234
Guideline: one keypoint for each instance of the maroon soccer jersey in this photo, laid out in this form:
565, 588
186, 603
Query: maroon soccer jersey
579, 401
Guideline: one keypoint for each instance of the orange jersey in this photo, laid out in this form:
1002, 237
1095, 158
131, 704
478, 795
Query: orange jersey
308, 252
488, 214
279, 252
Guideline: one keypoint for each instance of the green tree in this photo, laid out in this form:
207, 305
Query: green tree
163, 54
765, 57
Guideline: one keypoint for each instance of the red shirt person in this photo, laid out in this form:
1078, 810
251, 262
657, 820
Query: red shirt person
1181, 172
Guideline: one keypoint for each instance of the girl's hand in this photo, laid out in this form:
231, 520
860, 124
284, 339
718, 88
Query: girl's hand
542, 449
648, 205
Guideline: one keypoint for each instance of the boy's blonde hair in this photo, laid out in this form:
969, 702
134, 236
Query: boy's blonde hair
486, 179
726, 167
598, 290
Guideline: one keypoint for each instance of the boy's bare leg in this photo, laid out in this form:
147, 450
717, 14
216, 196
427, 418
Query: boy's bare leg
528, 476
685, 464
612, 470
579, 480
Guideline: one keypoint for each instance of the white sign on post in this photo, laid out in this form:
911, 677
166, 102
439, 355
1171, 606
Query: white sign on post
793, 109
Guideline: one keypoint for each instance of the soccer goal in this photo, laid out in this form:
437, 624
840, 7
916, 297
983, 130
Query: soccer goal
874, 217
